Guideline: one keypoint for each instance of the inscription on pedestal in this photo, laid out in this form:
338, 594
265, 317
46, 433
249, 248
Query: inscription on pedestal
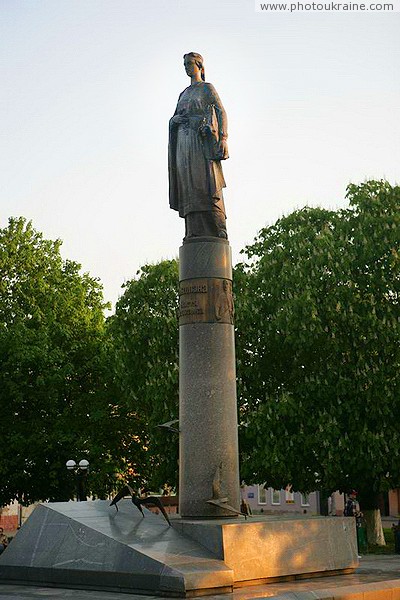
205, 301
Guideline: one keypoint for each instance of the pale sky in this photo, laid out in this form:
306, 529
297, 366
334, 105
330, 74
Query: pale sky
88, 87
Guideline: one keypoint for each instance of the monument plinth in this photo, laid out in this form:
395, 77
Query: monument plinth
90, 545
208, 466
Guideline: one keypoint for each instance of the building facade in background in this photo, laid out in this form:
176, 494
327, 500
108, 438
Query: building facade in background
266, 500
14, 515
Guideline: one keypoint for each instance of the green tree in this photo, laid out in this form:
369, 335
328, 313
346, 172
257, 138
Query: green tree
144, 333
318, 346
54, 396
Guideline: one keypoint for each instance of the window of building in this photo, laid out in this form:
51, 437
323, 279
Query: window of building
275, 497
262, 495
305, 499
289, 495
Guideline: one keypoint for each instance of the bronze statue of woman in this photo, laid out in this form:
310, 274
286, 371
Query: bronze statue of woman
197, 144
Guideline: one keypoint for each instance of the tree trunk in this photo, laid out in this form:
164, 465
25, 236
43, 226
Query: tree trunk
373, 522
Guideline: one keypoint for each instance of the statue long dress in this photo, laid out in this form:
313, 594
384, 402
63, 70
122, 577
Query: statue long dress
196, 182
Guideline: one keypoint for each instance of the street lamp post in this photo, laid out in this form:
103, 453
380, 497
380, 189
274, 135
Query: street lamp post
81, 470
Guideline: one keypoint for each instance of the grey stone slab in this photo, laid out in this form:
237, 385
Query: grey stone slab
91, 545
207, 534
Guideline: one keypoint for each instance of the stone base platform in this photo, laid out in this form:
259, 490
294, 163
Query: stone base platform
272, 548
90, 545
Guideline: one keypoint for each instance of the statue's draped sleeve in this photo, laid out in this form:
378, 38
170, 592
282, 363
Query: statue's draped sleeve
221, 114
173, 190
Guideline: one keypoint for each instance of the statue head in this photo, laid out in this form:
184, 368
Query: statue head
197, 59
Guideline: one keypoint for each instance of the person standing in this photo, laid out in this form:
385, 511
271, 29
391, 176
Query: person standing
3, 540
352, 509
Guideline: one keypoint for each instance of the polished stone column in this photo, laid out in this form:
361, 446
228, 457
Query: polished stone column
208, 467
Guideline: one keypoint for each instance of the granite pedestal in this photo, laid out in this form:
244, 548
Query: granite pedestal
90, 545
208, 466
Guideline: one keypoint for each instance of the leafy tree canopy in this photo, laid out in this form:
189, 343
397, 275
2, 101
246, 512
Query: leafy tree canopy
53, 399
318, 333
144, 334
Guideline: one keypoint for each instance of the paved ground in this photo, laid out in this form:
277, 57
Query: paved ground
372, 569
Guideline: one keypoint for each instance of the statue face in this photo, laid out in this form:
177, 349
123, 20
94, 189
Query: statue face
191, 66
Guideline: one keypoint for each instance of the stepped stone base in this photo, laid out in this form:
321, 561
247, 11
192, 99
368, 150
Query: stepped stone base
90, 545
278, 547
